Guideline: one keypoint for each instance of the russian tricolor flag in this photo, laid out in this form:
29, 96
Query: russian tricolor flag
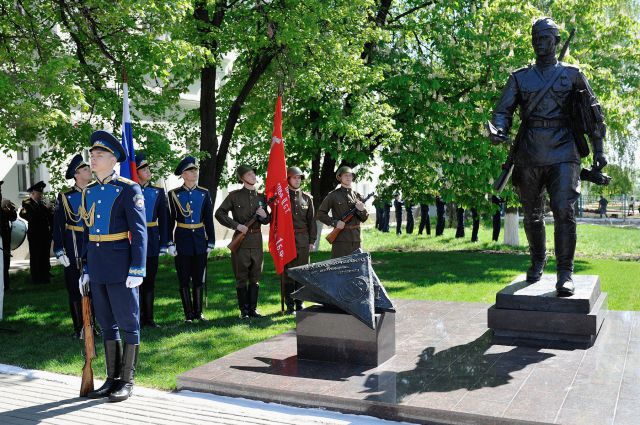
128, 167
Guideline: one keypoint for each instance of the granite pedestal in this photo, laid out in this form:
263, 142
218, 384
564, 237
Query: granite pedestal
328, 334
534, 314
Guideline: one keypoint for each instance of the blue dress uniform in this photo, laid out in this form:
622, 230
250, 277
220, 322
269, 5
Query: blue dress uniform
191, 230
115, 241
157, 216
68, 239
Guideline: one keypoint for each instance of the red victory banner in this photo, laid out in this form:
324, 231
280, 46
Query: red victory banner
282, 242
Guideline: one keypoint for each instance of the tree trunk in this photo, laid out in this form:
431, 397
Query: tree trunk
511, 235
208, 131
323, 178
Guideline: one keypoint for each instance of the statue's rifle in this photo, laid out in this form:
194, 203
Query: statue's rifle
507, 167
345, 218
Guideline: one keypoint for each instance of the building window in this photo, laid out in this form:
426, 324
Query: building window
27, 175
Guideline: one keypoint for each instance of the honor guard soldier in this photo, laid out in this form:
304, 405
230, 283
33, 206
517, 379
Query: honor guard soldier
157, 211
245, 204
193, 238
115, 240
68, 235
339, 201
40, 219
304, 226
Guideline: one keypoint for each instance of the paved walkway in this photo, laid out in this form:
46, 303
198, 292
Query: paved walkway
29, 397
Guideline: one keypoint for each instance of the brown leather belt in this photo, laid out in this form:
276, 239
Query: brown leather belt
258, 230
355, 226
305, 230
547, 123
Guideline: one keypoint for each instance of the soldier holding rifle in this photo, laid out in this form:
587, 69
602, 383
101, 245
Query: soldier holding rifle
248, 214
339, 202
548, 147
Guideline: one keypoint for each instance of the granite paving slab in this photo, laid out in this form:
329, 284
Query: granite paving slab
447, 370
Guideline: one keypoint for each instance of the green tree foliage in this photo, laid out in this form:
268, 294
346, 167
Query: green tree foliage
405, 83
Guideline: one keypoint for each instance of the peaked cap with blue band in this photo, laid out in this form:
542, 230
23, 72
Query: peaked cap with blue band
108, 142
76, 162
187, 163
141, 161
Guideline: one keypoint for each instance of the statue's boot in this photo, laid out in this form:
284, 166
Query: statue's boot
241, 293
113, 360
125, 384
537, 239
565, 247
253, 300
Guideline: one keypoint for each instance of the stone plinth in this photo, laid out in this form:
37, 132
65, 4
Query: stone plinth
334, 336
535, 314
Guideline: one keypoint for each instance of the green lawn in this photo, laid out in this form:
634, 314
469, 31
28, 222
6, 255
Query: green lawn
36, 330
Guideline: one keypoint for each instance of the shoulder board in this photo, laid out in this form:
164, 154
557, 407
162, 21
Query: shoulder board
523, 69
125, 180
570, 66
203, 188
235, 191
67, 190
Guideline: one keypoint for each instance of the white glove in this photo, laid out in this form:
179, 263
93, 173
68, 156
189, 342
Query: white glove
171, 250
84, 283
209, 249
63, 260
134, 281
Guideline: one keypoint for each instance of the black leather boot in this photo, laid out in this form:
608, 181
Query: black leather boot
241, 293
125, 384
198, 296
537, 238
149, 298
76, 318
288, 300
253, 300
565, 247
113, 360
185, 296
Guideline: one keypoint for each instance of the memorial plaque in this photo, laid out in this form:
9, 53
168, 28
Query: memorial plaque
348, 283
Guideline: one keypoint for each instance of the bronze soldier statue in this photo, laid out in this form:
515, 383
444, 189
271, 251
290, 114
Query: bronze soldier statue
340, 201
304, 226
244, 204
548, 149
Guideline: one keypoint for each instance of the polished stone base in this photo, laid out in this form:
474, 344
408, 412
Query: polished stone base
331, 335
447, 370
534, 314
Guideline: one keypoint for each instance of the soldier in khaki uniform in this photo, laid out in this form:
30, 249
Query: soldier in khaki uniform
245, 204
304, 226
339, 202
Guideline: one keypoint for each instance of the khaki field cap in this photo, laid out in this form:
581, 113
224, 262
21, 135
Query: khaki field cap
344, 169
242, 170
294, 171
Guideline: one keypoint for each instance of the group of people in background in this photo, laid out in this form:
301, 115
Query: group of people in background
383, 214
